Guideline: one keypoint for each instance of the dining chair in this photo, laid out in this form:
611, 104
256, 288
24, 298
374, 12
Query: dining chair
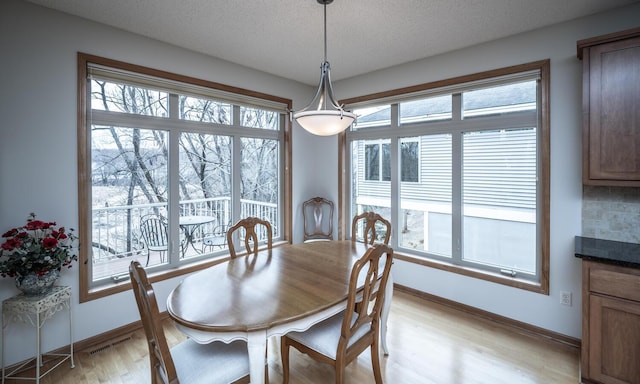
154, 234
317, 214
370, 234
249, 225
343, 337
187, 362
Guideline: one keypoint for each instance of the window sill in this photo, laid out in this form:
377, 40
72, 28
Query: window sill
112, 288
542, 288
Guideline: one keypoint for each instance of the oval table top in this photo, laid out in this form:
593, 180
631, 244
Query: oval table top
258, 292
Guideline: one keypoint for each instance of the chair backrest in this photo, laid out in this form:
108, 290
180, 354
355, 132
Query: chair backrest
161, 361
154, 231
369, 233
367, 285
251, 236
317, 213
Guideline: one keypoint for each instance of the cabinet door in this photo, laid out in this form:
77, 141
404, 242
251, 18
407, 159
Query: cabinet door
614, 332
614, 112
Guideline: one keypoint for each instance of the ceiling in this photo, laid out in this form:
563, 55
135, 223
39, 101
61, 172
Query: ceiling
285, 37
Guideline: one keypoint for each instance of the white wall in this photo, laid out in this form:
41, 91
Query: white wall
557, 43
38, 162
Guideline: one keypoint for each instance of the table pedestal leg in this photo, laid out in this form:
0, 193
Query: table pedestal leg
257, 345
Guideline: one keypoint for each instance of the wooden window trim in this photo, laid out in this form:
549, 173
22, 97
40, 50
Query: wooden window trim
543, 66
86, 292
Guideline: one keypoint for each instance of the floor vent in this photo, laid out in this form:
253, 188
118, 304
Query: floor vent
100, 349
121, 341
104, 347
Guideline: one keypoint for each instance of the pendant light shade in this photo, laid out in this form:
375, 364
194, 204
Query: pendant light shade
323, 116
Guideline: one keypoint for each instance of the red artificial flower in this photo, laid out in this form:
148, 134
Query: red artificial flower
36, 247
49, 242
35, 224
11, 244
60, 235
10, 233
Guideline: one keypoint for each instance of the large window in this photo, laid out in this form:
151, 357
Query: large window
461, 171
166, 164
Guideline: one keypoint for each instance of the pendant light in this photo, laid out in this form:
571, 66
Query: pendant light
324, 116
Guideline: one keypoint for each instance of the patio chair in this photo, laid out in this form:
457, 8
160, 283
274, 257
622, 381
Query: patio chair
217, 238
155, 235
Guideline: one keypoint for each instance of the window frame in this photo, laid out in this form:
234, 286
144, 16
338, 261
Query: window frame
236, 95
381, 160
416, 141
455, 85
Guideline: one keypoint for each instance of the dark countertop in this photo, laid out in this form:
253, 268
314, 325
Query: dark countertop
608, 251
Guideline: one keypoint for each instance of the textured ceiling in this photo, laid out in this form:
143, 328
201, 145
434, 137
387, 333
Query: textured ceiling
285, 37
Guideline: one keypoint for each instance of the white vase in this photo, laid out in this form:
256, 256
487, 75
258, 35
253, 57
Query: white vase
35, 284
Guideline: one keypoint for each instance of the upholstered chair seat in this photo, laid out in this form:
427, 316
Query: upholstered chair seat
210, 363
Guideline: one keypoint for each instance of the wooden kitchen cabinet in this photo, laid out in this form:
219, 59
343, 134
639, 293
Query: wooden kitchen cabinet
610, 323
611, 109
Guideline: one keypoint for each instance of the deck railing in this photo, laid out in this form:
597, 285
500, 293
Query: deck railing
116, 230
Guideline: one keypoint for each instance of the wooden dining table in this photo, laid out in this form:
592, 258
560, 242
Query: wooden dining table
254, 297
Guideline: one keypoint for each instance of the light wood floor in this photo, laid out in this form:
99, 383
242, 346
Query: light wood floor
429, 344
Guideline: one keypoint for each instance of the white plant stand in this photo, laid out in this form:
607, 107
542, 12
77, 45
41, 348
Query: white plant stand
36, 310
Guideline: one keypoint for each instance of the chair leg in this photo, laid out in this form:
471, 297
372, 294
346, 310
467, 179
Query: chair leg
266, 364
339, 373
155, 379
375, 362
284, 356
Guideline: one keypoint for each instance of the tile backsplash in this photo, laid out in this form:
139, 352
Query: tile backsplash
611, 213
